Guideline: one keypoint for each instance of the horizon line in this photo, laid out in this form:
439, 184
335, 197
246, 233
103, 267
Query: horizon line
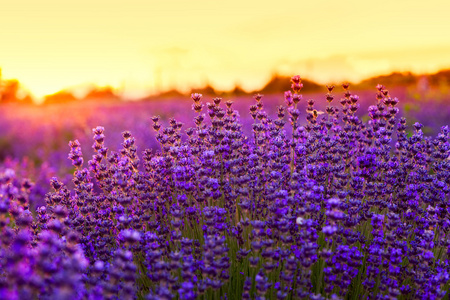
205, 85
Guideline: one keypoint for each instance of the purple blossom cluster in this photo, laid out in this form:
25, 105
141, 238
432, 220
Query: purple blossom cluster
334, 208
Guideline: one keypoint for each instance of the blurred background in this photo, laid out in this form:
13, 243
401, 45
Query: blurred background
67, 67
144, 47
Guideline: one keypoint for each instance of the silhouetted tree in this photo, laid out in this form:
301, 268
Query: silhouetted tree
9, 90
206, 90
393, 79
441, 77
238, 91
101, 93
278, 84
63, 96
173, 93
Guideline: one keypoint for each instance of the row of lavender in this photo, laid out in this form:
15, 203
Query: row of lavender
337, 208
33, 140
42, 133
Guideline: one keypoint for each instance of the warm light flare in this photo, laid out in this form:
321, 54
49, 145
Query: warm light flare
140, 47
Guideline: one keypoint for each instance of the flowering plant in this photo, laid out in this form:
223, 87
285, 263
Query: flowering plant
336, 208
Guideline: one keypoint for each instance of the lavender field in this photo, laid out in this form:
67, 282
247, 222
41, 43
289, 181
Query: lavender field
335, 195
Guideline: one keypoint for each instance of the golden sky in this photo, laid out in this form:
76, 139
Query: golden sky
138, 46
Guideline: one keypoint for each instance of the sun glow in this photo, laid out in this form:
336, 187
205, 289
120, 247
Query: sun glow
140, 47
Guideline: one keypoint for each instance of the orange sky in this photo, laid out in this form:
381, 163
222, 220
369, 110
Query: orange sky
139, 46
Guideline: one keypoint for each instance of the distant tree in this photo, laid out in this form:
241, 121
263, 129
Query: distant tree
9, 90
238, 91
27, 99
279, 83
206, 90
393, 79
63, 96
173, 93
441, 77
101, 93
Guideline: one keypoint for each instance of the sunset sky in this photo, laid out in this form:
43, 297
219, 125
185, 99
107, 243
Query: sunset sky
142, 46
